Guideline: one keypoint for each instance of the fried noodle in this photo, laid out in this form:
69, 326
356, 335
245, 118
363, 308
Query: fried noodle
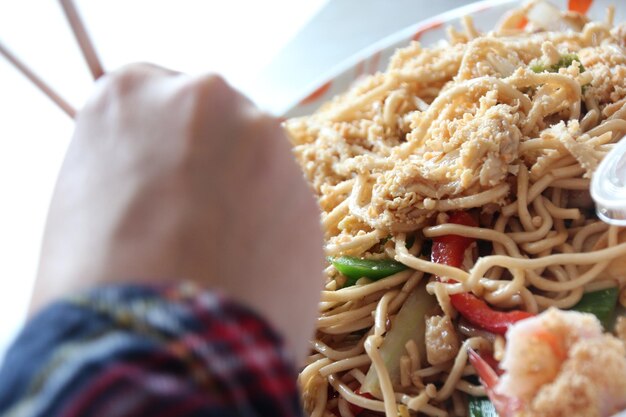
464, 125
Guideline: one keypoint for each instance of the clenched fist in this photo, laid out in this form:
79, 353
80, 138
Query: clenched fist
176, 177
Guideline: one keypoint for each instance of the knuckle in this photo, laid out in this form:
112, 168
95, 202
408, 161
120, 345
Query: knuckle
211, 94
268, 124
215, 82
114, 85
133, 76
215, 87
142, 70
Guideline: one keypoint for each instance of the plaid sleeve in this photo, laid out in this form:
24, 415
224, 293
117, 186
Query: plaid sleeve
139, 351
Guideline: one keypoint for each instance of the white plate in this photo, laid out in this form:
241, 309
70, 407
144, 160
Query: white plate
374, 58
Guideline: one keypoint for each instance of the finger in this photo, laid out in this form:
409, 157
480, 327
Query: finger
114, 86
144, 68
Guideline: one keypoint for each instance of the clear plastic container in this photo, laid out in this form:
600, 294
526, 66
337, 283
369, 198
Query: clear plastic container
608, 186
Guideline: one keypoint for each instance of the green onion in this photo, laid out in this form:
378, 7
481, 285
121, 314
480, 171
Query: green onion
600, 303
355, 268
481, 407
564, 62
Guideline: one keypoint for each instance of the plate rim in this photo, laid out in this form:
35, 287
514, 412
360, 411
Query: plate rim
385, 42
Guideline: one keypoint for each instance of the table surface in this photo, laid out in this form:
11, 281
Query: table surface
273, 51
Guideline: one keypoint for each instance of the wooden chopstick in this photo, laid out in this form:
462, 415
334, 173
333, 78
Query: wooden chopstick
84, 42
39, 83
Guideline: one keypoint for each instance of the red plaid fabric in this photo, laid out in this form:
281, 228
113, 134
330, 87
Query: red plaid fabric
137, 351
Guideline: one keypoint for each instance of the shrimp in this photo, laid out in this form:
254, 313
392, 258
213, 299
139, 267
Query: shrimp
557, 364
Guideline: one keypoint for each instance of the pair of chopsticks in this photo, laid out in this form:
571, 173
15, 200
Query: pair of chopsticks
86, 47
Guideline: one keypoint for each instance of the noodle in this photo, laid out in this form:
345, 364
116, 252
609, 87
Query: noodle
494, 125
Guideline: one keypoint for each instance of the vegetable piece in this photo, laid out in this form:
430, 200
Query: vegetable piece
563, 62
450, 250
408, 325
481, 407
477, 312
600, 303
355, 268
355, 409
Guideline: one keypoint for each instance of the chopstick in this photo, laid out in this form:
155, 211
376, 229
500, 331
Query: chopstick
39, 83
86, 47
84, 42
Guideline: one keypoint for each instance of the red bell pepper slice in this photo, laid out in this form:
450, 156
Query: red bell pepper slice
450, 250
478, 312
356, 410
493, 362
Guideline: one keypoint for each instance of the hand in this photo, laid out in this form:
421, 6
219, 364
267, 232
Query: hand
170, 176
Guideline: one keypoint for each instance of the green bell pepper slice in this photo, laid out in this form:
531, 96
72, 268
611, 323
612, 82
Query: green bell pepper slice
374, 269
600, 303
481, 407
